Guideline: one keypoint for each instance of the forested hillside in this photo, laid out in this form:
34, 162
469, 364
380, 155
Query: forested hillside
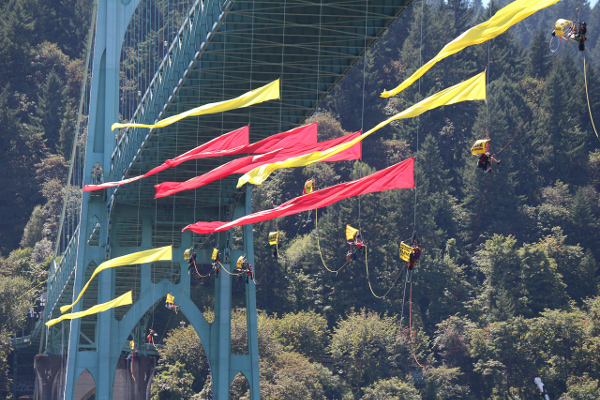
507, 286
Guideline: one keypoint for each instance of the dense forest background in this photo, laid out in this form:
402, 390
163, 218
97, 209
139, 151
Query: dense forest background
507, 287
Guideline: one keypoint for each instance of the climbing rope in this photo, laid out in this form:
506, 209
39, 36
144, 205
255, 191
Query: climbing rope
39, 284
319, 247
230, 273
588, 99
200, 275
369, 280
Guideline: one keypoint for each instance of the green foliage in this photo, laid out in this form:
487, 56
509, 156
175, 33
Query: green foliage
172, 384
392, 389
182, 346
363, 346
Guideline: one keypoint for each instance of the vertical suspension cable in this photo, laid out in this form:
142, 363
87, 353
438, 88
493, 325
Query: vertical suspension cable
362, 116
282, 56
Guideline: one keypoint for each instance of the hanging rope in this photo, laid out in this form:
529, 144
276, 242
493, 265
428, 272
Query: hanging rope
262, 277
588, 99
38, 285
230, 273
410, 331
369, 280
200, 275
319, 247
408, 279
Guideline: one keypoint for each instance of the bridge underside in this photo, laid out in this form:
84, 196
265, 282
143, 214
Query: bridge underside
309, 45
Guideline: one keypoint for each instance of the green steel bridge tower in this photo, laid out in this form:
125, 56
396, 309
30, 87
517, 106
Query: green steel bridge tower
148, 60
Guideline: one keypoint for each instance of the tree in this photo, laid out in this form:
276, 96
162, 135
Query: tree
182, 346
51, 109
392, 389
173, 383
362, 346
538, 62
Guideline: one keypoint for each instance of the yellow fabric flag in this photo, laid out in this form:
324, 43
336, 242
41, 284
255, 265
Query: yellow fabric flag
350, 232
119, 301
495, 26
141, 257
472, 89
264, 93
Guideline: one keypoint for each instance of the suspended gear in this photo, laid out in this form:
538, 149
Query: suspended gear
274, 243
133, 353
151, 335
216, 261
190, 254
480, 147
571, 32
355, 240
170, 303
244, 267
309, 186
486, 160
410, 254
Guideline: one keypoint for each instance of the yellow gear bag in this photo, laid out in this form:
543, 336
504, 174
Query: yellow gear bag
239, 262
560, 26
132, 345
215, 254
350, 233
405, 251
186, 254
479, 147
273, 238
308, 187
170, 299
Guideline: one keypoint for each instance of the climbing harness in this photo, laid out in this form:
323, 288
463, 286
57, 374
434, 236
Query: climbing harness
243, 267
170, 303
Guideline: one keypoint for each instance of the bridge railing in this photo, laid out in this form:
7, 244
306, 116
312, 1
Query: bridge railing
185, 50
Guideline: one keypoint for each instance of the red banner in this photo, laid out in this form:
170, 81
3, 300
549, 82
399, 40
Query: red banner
235, 142
398, 176
245, 164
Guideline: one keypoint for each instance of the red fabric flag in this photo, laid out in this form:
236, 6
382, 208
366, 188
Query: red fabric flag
245, 164
300, 136
234, 142
398, 176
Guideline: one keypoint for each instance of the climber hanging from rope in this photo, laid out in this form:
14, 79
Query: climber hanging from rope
355, 241
410, 253
170, 303
191, 258
216, 261
243, 267
486, 158
274, 243
309, 186
133, 353
151, 335
571, 31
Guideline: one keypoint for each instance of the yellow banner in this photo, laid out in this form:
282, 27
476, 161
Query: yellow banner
273, 238
405, 251
495, 26
472, 89
119, 301
350, 232
264, 93
479, 147
141, 257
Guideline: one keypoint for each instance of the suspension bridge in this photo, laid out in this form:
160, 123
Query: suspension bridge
148, 60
